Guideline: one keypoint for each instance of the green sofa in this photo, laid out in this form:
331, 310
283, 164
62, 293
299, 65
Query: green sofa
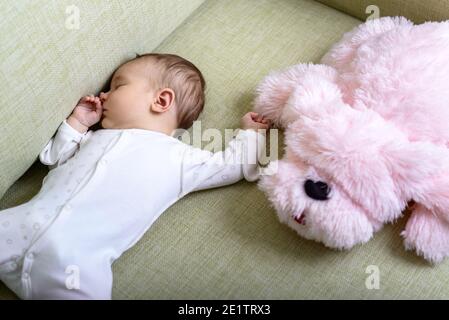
222, 243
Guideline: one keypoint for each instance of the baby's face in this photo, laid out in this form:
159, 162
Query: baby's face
128, 101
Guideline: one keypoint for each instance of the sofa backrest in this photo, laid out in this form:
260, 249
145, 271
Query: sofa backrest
53, 52
418, 11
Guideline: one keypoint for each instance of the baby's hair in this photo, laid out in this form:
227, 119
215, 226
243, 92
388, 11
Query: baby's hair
187, 82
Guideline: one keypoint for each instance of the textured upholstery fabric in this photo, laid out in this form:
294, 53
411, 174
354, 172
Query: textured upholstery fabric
227, 243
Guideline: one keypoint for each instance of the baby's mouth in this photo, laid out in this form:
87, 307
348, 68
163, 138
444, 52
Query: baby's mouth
300, 218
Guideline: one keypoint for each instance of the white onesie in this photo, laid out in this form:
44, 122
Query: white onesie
105, 188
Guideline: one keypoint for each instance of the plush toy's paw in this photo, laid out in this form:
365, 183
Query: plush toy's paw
316, 96
282, 95
428, 234
275, 89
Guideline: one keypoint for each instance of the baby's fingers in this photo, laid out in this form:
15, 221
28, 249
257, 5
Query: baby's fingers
259, 118
88, 99
98, 104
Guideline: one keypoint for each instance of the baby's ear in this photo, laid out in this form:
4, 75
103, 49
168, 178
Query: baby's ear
279, 93
421, 172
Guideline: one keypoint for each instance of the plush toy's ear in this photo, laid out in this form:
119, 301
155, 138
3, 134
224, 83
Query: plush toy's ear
279, 93
421, 172
347, 149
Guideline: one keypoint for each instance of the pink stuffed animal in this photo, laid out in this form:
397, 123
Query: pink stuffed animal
366, 132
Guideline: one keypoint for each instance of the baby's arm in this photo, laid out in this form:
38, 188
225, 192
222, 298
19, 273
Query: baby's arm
71, 132
62, 146
203, 169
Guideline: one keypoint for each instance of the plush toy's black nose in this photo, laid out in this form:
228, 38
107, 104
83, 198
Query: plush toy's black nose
317, 190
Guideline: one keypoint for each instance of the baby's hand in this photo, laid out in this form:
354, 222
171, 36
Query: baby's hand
87, 112
253, 120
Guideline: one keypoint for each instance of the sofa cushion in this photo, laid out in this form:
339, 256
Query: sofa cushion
416, 10
48, 62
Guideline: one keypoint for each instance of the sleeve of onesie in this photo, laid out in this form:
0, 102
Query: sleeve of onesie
62, 146
202, 169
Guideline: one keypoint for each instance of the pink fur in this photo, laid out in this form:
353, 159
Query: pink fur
372, 122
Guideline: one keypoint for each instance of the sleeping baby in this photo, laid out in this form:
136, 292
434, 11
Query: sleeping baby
106, 187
